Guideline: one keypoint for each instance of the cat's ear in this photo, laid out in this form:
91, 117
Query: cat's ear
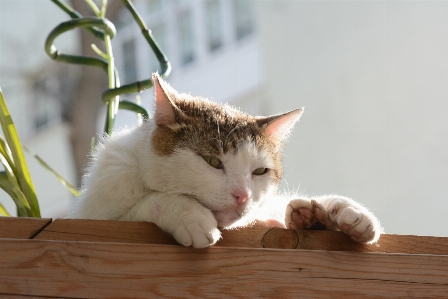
164, 113
278, 127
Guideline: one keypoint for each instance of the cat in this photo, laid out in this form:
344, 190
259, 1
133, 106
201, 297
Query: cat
198, 166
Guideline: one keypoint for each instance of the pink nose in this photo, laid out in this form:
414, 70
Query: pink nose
241, 196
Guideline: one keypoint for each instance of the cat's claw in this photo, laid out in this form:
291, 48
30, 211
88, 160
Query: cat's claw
337, 213
198, 230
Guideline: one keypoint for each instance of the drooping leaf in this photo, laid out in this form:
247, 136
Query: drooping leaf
63, 181
23, 207
7, 162
3, 211
23, 175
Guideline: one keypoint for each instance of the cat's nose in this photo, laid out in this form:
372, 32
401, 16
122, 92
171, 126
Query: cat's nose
241, 195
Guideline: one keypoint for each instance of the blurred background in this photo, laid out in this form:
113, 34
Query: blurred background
373, 77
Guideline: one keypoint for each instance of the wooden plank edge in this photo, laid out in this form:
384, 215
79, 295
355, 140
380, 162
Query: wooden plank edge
118, 270
22, 227
250, 237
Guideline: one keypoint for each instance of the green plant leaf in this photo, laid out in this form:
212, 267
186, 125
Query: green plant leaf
3, 211
63, 181
23, 207
9, 173
6, 160
23, 175
5, 151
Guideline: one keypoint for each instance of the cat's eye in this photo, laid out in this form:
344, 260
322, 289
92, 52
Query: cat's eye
260, 171
213, 162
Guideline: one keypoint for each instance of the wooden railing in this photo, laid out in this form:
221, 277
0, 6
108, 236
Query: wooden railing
41, 258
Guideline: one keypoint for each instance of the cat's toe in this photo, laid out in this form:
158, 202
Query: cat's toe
182, 236
197, 236
297, 215
205, 237
305, 214
363, 232
360, 226
198, 230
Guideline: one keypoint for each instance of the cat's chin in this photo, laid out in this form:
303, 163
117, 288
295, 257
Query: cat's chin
228, 218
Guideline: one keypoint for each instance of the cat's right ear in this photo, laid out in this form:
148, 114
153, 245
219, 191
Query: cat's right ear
164, 113
278, 127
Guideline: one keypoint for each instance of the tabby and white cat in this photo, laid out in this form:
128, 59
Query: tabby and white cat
197, 166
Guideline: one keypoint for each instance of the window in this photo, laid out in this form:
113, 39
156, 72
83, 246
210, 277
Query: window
244, 19
129, 60
186, 36
213, 24
46, 108
41, 115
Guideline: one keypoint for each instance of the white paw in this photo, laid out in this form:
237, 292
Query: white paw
354, 220
333, 213
197, 229
307, 214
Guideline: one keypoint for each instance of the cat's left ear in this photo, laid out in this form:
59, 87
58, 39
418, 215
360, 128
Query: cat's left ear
278, 127
164, 112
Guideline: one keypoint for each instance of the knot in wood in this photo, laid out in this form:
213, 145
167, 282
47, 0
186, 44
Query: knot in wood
280, 238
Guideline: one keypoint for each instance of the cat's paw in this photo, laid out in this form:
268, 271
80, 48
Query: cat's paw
198, 229
333, 213
307, 214
354, 220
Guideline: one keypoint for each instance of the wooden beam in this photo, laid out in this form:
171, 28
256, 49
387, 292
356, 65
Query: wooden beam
21, 228
122, 270
251, 237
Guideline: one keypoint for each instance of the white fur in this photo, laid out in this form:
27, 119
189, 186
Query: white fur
188, 198
181, 193
185, 196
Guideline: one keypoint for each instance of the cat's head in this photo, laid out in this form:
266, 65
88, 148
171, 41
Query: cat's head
227, 160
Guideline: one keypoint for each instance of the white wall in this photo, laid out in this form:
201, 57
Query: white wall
373, 78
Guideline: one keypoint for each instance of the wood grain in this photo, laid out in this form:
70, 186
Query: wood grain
111, 259
251, 237
21, 228
105, 231
123, 270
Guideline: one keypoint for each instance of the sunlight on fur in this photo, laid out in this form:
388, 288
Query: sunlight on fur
157, 173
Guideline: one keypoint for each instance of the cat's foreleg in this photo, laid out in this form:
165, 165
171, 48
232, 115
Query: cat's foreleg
333, 212
190, 223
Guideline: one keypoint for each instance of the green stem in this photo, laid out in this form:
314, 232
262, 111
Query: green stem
112, 108
165, 66
93, 6
76, 15
51, 50
130, 106
103, 9
105, 30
